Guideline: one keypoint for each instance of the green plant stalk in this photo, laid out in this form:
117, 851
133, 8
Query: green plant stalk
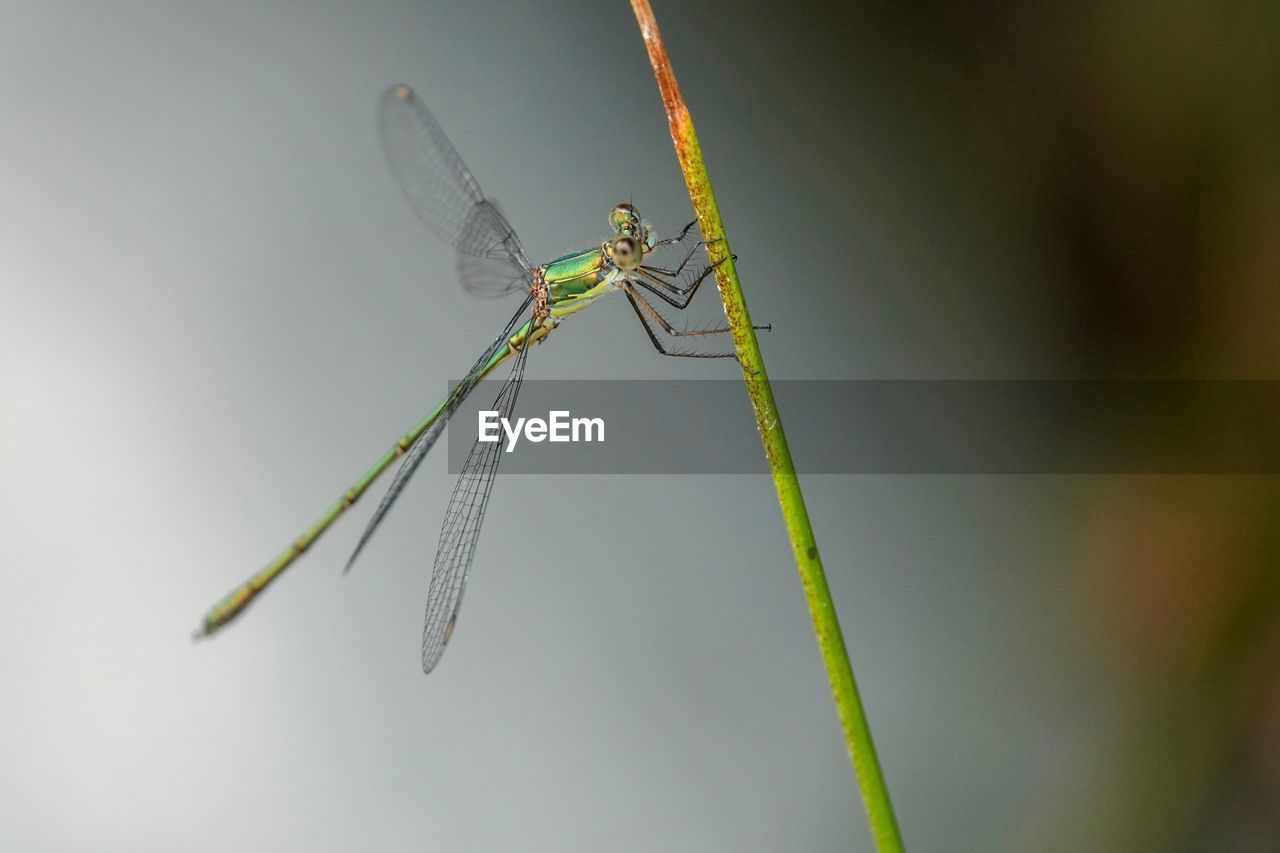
826, 625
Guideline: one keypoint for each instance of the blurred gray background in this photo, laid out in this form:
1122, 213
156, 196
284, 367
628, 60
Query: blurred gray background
216, 310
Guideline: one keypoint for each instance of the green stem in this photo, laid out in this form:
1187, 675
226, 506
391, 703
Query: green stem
853, 719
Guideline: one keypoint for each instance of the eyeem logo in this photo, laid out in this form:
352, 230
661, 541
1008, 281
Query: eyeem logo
559, 426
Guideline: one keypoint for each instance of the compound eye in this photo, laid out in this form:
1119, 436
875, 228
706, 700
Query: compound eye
623, 217
624, 251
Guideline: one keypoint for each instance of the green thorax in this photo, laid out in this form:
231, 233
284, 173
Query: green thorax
574, 275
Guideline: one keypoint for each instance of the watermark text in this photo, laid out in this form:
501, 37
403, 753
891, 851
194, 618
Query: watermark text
558, 426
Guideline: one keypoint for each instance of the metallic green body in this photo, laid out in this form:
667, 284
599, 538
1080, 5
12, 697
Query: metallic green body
445, 195
575, 280
572, 282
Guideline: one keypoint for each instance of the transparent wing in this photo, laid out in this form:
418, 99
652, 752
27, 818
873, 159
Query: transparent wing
489, 277
461, 529
496, 272
439, 186
418, 450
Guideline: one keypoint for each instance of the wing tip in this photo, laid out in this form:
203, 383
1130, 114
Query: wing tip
433, 649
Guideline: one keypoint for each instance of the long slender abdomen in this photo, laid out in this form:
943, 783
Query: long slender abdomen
236, 601
239, 599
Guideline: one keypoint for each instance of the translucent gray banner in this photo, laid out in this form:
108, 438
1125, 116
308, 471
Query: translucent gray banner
896, 427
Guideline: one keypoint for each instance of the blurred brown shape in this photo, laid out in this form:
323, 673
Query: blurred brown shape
1131, 153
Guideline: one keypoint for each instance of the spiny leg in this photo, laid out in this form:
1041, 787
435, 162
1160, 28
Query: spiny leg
681, 333
687, 332
680, 269
676, 240
673, 294
657, 344
643, 307
683, 263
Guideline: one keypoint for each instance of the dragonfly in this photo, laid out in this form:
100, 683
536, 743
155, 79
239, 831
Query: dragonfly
491, 261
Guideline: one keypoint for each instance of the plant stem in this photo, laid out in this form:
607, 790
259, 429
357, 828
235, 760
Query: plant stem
857, 732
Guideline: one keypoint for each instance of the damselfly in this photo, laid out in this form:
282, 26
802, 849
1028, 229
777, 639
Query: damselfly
445, 195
